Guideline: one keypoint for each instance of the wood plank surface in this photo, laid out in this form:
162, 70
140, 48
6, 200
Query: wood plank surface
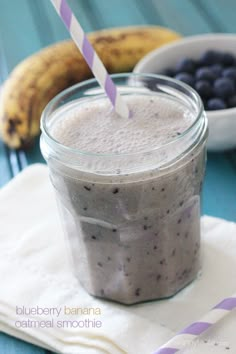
10, 345
181, 16
219, 194
220, 14
18, 30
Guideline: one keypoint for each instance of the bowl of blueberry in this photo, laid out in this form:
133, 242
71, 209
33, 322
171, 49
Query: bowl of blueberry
207, 63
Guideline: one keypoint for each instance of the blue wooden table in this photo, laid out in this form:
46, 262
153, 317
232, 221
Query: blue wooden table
28, 25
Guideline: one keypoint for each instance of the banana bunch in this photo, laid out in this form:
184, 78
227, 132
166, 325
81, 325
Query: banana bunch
37, 79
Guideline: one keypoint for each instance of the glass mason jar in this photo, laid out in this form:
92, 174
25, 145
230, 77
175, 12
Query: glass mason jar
132, 220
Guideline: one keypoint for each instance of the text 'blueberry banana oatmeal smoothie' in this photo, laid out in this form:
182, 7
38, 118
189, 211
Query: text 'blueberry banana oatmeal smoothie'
129, 188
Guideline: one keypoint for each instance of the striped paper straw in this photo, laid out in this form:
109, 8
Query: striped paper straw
91, 57
190, 333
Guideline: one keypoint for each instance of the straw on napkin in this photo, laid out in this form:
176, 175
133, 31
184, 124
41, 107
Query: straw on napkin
36, 272
194, 330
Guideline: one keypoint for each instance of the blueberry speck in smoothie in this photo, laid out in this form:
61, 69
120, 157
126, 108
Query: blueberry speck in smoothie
181, 203
93, 237
145, 227
114, 230
168, 211
100, 264
179, 221
155, 247
173, 252
137, 292
85, 209
158, 277
87, 188
109, 258
115, 190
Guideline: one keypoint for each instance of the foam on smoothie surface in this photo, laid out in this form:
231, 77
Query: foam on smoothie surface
94, 127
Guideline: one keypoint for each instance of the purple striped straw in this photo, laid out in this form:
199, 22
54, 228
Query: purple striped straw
190, 333
91, 57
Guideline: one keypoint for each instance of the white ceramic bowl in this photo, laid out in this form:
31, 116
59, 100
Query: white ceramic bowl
222, 123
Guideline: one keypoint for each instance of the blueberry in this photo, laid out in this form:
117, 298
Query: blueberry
210, 57
217, 69
232, 101
215, 103
230, 73
205, 73
185, 65
186, 78
204, 101
169, 72
228, 59
204, 88
150, 83
224, 87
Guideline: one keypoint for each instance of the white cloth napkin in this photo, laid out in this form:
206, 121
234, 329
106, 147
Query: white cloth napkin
36, 273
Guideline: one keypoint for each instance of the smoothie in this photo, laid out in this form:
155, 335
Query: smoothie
134, 234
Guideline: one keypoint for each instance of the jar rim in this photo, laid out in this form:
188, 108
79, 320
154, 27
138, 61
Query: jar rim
69, 91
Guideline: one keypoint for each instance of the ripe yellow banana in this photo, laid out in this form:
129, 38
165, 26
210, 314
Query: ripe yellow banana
40, 77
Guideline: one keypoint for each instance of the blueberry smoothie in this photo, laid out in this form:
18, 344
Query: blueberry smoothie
134, 232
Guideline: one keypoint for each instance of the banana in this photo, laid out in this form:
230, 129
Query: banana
41, 76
